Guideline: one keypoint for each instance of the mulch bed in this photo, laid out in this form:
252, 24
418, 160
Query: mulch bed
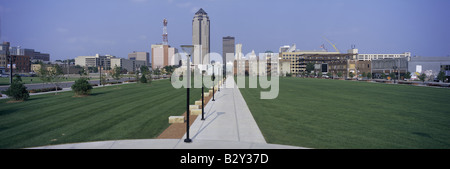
177, 130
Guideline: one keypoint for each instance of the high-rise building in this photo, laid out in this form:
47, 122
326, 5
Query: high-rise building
141, 56
163, 55
200, 37
227, 47
238, 52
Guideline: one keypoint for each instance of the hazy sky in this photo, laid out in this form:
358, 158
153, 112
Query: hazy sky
70, 28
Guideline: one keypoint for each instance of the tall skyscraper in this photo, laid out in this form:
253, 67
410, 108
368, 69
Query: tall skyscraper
200, 37
227, 47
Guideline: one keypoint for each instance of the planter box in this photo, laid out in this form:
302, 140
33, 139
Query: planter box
196, 112
176, 119
199, 103
193, 107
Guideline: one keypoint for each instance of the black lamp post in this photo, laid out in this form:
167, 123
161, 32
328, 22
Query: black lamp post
188, 50
203, 97
218, 85
214, 78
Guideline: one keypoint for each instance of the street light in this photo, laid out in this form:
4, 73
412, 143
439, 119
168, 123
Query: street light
214, 78
203, 96
188, 50
218, 87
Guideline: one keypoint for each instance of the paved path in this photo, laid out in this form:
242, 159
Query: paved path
228, 124
227, 119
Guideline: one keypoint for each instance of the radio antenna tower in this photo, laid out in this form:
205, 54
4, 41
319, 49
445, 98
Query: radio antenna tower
165, 38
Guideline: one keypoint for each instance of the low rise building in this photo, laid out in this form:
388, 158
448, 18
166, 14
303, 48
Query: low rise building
431, 66
365, 57
387, 66
126, 64
140, 56
94, 61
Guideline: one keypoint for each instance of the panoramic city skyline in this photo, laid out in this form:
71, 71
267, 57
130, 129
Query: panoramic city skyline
67, 29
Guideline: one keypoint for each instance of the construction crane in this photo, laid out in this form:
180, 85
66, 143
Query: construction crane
334, 46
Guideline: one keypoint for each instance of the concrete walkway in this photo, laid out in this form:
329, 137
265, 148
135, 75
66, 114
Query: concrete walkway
228, 124
227, 119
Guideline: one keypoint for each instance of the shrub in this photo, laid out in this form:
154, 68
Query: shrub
82, 87
17, 90
422, 77
143, 79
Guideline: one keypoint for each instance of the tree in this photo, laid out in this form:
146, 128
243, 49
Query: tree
144, 69
103, 79
320, 74
329, 74
422, 77
17, 90
408, 75
369, 75
143, 79
116, 74
51, 75
383, 76
309, 67
81, 87
339, 74
364, 74
169, 69
441, 76
351, 75
392, 75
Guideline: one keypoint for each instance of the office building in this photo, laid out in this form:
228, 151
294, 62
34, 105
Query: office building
431, 66
164, 55
20, 62
31, 53
201, 37
140, 56
382, 56
228, 46
333, 62
127, 64
389, 65
94, 61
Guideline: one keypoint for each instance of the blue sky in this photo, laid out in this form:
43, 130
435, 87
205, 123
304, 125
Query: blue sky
70, 28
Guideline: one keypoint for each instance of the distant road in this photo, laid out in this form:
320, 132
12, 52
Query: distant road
62, 84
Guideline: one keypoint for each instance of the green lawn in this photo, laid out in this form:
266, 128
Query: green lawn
130, 111
322, 113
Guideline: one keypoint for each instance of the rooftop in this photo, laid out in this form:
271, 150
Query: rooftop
201, 12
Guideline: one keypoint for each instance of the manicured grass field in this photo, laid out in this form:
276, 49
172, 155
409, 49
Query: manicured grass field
130, 111
322, 113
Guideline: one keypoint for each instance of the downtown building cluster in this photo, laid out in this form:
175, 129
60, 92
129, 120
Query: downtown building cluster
288, 60
20, 59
